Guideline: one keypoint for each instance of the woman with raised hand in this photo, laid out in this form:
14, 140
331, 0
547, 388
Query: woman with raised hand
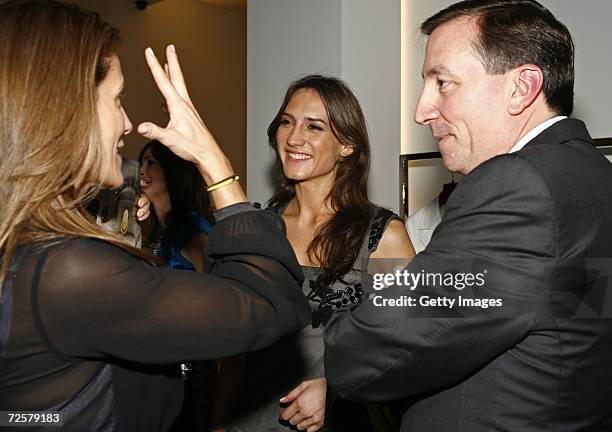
87, 323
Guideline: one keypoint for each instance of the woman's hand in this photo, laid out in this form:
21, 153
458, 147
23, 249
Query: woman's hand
143, 207
185, 134
307, 405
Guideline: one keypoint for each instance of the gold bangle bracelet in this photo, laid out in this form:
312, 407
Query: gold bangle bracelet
222, 183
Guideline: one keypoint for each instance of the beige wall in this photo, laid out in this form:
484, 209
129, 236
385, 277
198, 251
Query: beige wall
211, 43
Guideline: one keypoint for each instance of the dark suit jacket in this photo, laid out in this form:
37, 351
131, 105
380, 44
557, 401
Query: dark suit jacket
535, 219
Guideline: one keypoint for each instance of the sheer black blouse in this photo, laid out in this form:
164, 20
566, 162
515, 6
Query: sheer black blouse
91, 323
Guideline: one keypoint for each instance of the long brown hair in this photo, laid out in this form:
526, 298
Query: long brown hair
336, 244
52, 57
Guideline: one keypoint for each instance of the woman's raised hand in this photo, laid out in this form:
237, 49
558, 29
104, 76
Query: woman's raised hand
185, 134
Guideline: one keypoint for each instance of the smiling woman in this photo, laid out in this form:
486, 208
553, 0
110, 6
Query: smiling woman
306, 144
322, 151
181, 219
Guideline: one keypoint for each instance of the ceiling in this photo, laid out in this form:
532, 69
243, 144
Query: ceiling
236, 5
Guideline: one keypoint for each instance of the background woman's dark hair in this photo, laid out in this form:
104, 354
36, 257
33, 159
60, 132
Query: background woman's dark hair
517, 32
184, 183
336, 244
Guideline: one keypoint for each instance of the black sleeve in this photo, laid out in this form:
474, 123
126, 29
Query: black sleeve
500, 220
96, 300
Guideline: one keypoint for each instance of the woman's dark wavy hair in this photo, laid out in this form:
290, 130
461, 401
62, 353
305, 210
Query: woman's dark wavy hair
184, 183
336, 244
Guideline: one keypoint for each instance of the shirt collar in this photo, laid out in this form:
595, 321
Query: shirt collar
431, 215
535, 132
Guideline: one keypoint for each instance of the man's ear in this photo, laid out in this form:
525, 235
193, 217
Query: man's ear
528, 82
346, 150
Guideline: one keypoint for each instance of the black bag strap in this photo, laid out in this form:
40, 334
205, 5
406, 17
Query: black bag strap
6, 300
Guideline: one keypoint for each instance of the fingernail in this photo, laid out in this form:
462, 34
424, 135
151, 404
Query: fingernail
149, 52
143, 129
283, 399
173, 48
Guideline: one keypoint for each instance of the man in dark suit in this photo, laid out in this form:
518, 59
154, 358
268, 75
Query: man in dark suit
531, 217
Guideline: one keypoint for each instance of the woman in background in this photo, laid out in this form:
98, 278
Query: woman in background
182, 218
178, 233
85, 319
322, 151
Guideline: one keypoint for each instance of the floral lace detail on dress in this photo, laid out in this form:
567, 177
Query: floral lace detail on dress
325, 298
328, 299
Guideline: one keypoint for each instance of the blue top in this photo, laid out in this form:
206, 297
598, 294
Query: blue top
177, 238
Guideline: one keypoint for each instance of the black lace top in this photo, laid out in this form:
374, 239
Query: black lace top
348, 288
